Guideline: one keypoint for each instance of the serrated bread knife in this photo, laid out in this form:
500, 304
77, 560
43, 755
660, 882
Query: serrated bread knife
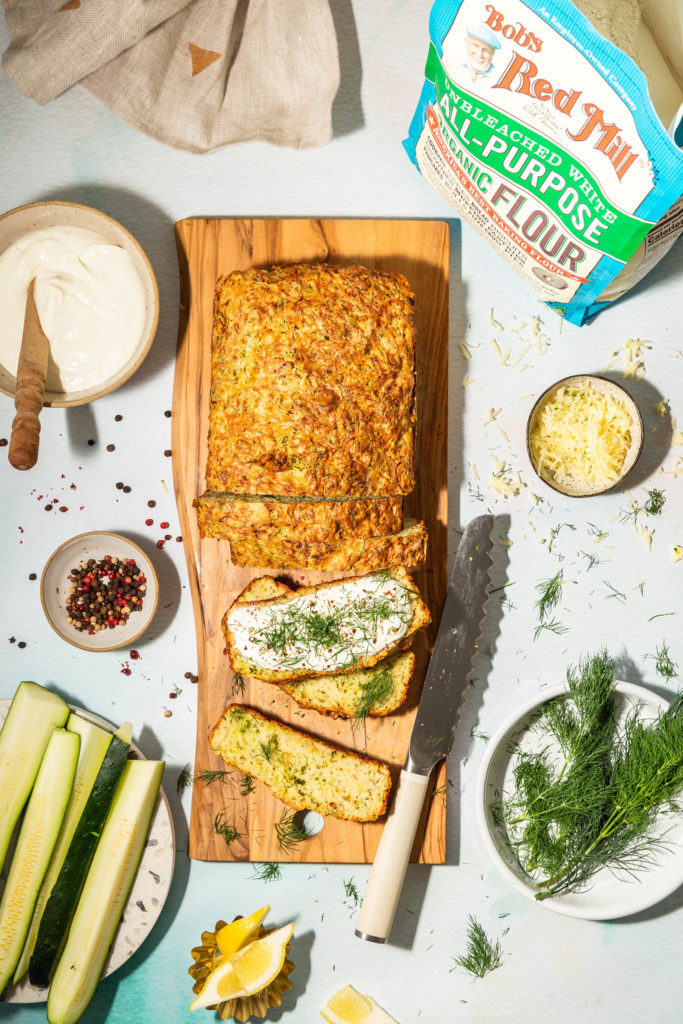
434, 728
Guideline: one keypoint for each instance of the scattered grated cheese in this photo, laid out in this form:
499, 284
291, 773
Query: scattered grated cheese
633, 364
494, 322
644, 534
503, 480
504, 435
581, 433
504, 357
467, 380
534, 497
678, 553
492, 415
662, 408
676, 354
464, 349
475, 471
677, 439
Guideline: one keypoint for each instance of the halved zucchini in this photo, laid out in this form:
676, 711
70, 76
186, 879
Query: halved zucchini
94, 743
37, 837
31, 719
63, 898
105, 892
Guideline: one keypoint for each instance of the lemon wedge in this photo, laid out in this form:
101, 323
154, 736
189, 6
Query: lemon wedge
257, 964
350, 1007
233, 936
249, 970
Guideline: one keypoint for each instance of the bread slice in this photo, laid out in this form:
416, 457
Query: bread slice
357, 554
308, 521
326, 629
305, 773
375, 691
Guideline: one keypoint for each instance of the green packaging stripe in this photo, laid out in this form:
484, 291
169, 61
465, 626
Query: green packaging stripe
539, 166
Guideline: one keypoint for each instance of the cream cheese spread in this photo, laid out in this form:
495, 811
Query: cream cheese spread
326, 629
90, 301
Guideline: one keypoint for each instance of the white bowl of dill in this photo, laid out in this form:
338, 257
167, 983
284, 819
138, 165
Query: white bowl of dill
577, 795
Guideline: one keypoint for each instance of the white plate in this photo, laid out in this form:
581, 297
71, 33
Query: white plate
608, 895
150, 886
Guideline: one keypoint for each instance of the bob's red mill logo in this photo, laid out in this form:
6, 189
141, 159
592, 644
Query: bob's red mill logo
521, 75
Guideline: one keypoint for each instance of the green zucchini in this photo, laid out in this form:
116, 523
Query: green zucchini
61, 904
31, 719
37, 837
105, 892
94, 743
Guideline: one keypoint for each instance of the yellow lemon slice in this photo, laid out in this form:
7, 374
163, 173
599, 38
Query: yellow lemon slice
220, 985
350, 1007
257, 964
233, 936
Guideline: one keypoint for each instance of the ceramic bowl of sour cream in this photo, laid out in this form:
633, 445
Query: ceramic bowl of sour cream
96, 295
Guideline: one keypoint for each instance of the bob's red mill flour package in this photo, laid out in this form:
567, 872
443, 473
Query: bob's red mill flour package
542, 134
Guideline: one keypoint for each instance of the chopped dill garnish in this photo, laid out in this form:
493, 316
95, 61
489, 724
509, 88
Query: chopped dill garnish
553, 627
475, 734
267, 872
184, 779
269, 748
664, 666
352, 900
374, 694
592, 559
443, 790
222, 828
614, 592
246, 786
482, 955
289, 831
238, 685
655, 502
551, 592
208, 775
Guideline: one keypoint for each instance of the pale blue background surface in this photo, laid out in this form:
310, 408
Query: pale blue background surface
556, 970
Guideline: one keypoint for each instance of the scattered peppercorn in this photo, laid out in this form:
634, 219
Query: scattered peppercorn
91, 442
163, 526
119, 485
33, 576
195, 679
127, 489
188, 675
118, 418
63, 508
172, 696
135, 655
48, 508
12, 639
167, 452
104, 594
125, 671
167, 713
167, 413
179, 540
151, 504
149, 522
22, 644
111, 447
160, 544
3, 442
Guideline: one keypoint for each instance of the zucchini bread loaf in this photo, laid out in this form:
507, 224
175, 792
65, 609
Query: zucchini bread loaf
305, 773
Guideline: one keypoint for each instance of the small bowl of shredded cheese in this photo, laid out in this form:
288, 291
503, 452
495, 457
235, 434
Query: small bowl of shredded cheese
584, 435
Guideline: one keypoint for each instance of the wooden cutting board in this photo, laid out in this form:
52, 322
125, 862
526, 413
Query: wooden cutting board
207, 249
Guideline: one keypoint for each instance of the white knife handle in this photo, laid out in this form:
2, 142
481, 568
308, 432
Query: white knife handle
391, 860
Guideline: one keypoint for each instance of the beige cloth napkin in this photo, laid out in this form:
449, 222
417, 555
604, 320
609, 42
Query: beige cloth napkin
197, 74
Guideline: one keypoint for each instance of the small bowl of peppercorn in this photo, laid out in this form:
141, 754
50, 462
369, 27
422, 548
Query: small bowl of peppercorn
99, 591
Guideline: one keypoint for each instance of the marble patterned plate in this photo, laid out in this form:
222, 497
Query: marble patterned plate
150, 886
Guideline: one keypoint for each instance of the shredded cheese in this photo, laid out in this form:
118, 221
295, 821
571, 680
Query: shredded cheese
581, 433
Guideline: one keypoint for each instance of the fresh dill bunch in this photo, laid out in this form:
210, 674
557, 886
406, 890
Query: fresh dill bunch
551, 592
223, 828
664, 666
289, 831
374, 694
655, 502
247, 785
267, 872
482, 954
184, 779
595, 803
209, 775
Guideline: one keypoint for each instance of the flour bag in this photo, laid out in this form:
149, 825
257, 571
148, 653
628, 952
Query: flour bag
542, 133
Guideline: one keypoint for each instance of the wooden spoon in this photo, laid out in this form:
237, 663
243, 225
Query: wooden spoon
28, 397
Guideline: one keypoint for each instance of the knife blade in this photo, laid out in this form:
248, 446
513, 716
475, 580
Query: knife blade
434, 727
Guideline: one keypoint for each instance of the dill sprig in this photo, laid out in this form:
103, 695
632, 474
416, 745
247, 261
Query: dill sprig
652, 506
267, 872
618, 594
184, 779
482, 955
352, 900
247, 785
551, 592
595, 804
269, 748
289, 831
238, 684
374, 695
553, 627
209, 775
664, 666
222, 827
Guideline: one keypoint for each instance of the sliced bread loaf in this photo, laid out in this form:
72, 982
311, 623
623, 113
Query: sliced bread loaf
267, 550
324, 630
372, 691
305, 773
306, 521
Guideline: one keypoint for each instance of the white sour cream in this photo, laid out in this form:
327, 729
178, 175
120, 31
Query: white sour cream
90, 300
366, 615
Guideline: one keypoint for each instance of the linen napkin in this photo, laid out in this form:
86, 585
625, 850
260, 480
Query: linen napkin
197, 74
